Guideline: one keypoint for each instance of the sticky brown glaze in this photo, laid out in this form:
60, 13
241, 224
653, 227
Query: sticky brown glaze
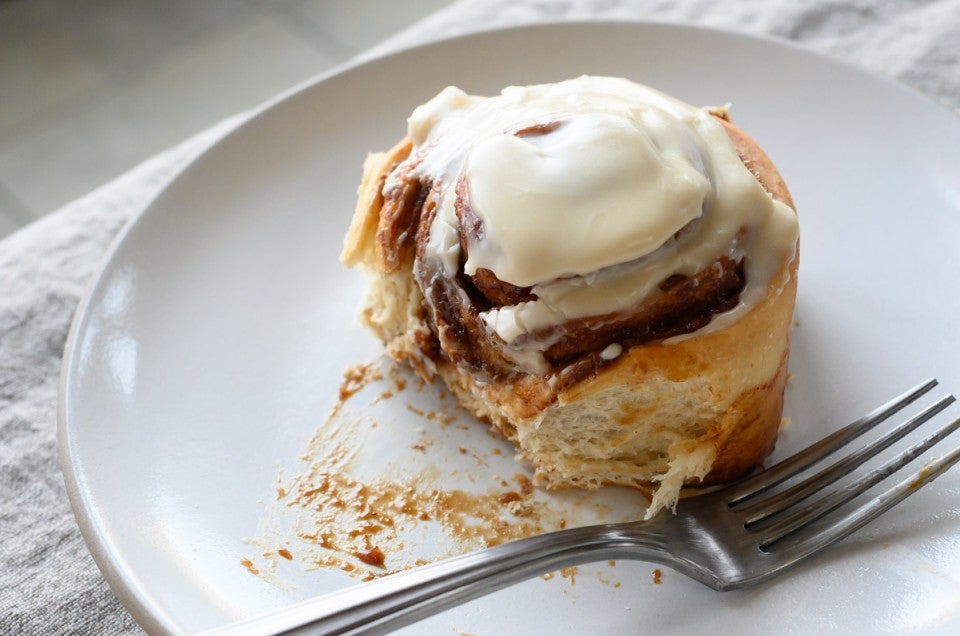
460, 332
403, 202
683, 305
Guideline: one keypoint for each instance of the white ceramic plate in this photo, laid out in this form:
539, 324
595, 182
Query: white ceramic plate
212, 343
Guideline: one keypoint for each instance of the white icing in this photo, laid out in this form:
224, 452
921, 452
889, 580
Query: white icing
443, 243
587, 211
560, 204
612, 351
425, 117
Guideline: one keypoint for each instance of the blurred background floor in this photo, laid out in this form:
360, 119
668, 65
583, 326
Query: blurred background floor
90, 88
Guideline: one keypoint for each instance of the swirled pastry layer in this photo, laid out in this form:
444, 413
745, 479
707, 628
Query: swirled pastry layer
557, 214
603, 272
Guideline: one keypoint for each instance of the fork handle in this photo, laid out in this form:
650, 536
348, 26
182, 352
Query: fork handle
403, 598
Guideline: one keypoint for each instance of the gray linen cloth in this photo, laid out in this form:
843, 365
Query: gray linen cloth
48, 581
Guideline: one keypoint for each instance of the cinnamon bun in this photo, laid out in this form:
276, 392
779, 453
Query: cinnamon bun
604, 273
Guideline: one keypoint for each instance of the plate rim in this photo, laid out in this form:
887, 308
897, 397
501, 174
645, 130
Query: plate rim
126, 584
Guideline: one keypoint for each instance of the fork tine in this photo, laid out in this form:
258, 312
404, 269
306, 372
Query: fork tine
759, 510
856, 519
806, 515
756, 484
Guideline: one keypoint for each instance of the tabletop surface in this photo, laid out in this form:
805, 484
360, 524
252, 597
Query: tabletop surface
93, 88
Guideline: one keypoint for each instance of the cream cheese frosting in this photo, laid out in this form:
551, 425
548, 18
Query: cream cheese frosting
593, 193
609, 188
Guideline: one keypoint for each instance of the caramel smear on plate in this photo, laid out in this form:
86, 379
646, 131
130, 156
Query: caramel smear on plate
387, 484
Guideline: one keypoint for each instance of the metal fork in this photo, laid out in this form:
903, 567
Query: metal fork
736, 536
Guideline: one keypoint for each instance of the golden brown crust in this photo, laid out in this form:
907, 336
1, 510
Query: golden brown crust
742, 447
758, 163
362, 246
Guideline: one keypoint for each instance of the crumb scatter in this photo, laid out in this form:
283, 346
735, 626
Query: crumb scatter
248, 564
357, 377
370, 525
